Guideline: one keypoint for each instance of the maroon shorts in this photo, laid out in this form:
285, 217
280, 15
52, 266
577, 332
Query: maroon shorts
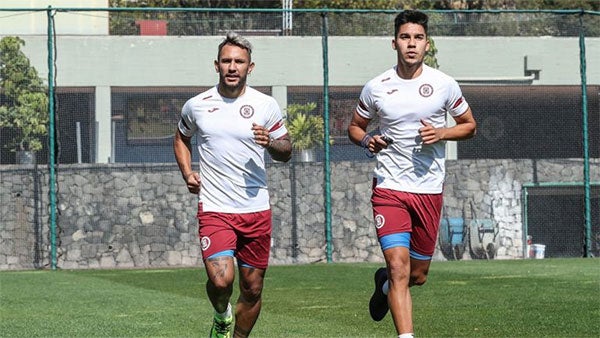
398, 211
247, 234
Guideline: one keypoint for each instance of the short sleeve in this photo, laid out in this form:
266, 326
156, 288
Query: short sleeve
456, 104
366, 107
275, 123
186, 124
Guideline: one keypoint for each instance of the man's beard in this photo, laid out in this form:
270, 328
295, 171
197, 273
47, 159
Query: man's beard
239, 85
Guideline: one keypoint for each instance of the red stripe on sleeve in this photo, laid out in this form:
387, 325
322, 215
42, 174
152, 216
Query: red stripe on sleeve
276, 126
458, 102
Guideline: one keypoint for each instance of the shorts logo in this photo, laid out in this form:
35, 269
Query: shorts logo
246, 111
379, 221
426, 90
204, 243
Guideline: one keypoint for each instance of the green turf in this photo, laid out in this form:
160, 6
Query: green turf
516, 298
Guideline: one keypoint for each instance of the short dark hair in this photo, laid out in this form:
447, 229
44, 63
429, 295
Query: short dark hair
410, 16
235, 39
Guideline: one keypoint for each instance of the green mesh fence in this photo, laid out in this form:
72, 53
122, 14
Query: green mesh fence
120, 77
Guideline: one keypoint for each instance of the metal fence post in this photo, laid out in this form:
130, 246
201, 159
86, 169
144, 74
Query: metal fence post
327, 164
51, 150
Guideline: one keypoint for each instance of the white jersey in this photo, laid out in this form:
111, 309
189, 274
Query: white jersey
407, 164
232, 171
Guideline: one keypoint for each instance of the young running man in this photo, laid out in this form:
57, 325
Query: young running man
411, 100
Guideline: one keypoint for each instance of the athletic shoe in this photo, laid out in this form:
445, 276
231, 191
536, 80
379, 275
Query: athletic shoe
221, 327
378, 305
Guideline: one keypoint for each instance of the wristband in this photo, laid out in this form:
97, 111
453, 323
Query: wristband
365, 141
365, 144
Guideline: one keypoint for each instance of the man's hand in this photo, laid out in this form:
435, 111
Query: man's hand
193, 182
429, 134
261, 135
376, 143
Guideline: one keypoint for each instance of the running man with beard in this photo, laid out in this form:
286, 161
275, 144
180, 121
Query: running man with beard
234, 124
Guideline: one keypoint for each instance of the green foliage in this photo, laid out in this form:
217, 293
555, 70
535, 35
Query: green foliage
26, 106
519, 4
366, 4
346, 4
442, 23
194, 23
197, 3
306, 130
430, 57
344, 24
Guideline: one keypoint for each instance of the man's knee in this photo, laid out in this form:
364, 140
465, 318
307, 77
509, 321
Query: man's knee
418, 272
251, 288
220, 285
251, 293
417, 279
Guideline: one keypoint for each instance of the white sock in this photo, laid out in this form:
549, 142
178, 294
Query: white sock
407, 335
225, 314
386, 288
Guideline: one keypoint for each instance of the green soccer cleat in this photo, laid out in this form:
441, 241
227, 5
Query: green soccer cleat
221, 327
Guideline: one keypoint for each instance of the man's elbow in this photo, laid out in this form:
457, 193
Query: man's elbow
473, 131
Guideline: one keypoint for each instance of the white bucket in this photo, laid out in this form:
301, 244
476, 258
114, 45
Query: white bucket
539, 250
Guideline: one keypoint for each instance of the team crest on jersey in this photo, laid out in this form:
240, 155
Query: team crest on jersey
379, 221
204, 243
246, 111
426, 90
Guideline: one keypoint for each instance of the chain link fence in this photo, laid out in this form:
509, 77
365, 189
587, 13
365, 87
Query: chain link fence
118, 86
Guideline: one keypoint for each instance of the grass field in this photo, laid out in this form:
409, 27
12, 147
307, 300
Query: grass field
516, 298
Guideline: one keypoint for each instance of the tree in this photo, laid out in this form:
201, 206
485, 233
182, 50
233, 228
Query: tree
24, 106
346, 4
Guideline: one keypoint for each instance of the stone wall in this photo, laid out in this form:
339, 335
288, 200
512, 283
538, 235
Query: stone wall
123, 215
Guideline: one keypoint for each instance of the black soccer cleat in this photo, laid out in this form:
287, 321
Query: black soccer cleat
378, 305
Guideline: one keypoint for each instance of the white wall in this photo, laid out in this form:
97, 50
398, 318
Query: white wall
557, 58
106, 61
36, 22
285, 61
